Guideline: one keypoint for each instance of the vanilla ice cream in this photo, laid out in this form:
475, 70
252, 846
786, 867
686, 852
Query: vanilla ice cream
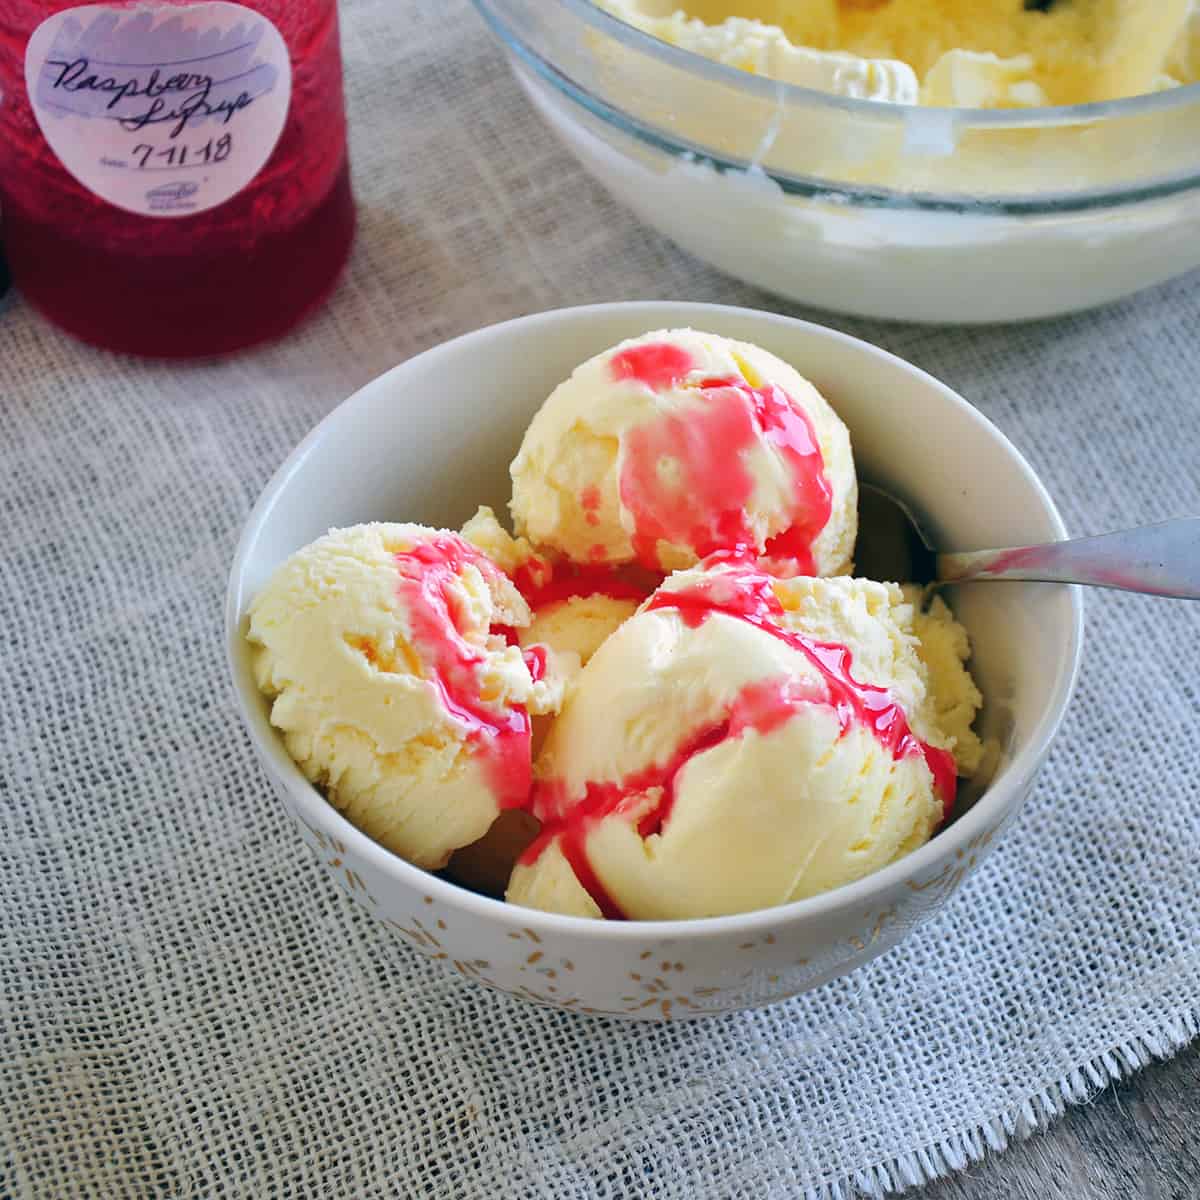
385, 651
573, 609
764, 49
676, 444
956, 53
744, 741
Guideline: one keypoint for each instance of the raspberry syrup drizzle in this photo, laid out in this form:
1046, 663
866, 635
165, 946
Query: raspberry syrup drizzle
589, 501
744, 592
704, 505
659, 365
535, 660
761, 706
501, 736
544, 584
741, 592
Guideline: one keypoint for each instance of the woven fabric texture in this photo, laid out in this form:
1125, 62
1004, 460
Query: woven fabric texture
189, 1008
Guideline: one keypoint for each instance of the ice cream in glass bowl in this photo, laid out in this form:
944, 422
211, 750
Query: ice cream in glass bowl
567, 678
1047, 166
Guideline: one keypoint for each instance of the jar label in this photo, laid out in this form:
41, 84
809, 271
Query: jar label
161, 109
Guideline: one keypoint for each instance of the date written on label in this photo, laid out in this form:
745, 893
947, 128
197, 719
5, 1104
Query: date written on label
215, 150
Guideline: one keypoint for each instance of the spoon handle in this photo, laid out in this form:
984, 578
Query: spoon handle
1160, 560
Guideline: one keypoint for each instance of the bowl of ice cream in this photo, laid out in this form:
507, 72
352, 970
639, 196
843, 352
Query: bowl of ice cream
717, 769
1036, 160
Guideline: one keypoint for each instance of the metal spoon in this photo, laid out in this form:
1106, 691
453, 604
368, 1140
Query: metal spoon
1159, 560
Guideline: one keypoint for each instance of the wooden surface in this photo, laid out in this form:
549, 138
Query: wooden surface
1137, 1140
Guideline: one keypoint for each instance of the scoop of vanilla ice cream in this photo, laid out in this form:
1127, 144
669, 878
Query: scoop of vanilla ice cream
719, 754
578, 625
377, 647
572, 627
678, 443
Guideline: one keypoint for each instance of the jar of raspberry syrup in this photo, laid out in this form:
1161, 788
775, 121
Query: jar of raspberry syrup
173, 173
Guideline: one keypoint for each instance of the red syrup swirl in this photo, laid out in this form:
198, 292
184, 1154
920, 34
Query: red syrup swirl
659, 365
500, 735
544, 584
589, 501
702, 502
535, 660
761, 706
743, 592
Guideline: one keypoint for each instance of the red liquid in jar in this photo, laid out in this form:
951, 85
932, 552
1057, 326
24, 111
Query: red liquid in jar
230, 276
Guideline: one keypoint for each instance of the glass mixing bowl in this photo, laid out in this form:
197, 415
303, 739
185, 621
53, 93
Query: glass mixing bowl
881, 210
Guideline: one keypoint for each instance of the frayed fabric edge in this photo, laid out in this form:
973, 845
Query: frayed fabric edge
1034, 1114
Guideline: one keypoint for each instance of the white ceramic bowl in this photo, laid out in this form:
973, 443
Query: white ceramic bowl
432, 438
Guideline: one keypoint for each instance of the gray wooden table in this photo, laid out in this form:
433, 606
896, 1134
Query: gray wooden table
1138, 1140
